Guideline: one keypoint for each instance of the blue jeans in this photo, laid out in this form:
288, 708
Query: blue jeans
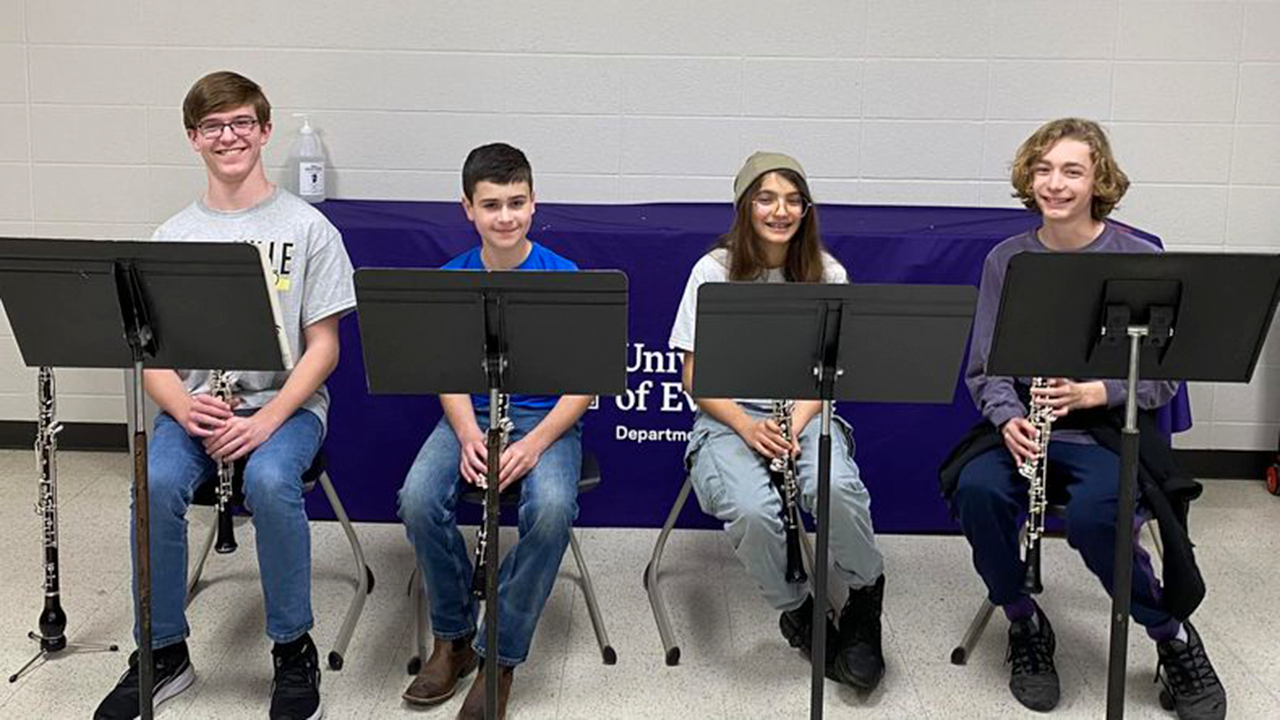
548, 507
991, 496
176, 466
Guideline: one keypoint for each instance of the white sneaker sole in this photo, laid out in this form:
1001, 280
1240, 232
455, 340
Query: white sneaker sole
171, 689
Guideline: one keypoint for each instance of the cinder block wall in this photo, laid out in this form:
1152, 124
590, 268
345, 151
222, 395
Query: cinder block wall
886, 101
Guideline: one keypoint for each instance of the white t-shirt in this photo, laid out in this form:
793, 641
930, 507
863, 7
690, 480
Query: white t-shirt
713, 267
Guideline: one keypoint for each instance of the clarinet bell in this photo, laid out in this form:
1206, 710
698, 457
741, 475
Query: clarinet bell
797, 576
795, 564
53, 625
226, 539
1031, 584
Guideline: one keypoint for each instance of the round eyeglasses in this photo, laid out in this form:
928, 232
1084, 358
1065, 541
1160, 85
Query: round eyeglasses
767, 202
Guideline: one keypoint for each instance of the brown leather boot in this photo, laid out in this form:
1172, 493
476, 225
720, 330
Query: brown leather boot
473, 705
438, 679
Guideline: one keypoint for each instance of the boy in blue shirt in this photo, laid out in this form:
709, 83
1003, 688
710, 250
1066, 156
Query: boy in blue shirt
544, 454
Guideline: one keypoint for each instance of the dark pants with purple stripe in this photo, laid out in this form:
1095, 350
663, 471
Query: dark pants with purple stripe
991, 499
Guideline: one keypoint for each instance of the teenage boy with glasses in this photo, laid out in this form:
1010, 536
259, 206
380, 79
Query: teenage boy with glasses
276, 419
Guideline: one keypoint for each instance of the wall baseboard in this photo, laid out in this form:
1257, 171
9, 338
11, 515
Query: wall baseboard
1225, 464
21, 435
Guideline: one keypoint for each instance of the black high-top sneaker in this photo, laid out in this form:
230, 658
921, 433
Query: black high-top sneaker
860, 654
797, 627
295, 691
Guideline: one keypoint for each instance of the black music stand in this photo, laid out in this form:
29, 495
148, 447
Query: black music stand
1197, 316
871, 343
454, 331
136, 304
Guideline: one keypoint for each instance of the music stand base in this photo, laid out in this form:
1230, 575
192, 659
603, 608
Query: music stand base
52, 647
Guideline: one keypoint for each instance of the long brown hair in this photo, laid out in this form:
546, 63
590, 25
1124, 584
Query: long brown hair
745, 249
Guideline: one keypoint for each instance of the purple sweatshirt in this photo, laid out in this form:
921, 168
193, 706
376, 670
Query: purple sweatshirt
995, 395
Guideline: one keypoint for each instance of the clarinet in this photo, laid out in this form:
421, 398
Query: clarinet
53, 621
1036, 471
505, 426
220, 382
783, 473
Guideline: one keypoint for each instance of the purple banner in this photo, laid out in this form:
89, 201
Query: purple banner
639, 437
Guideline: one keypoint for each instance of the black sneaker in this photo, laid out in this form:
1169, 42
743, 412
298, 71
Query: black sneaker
173, 674
1191, 687
860, 656
1033, 679
295, 691
797, 627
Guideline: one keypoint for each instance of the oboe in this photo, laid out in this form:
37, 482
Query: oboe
505, 426
1036, 471
784, 474
220, 383
53, 621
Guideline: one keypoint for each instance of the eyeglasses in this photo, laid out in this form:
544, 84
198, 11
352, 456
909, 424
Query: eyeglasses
212, 129
767, 202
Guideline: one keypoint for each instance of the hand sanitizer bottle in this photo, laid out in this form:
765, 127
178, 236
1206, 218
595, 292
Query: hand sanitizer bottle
306, 163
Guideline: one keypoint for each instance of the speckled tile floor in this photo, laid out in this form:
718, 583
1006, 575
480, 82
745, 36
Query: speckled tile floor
734, 664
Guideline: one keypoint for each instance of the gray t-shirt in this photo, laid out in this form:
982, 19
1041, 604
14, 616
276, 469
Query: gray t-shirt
313, 278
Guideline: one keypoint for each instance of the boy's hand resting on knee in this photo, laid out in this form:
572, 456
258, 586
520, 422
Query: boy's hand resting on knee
518, 459
475, 453
241, 436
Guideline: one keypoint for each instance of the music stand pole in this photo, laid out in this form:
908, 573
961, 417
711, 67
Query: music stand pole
1126, 505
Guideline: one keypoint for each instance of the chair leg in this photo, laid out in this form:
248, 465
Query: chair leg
1155, 539
194, 578
418, 599
364, 576
960, 655
651, 578
593, 608
833, 601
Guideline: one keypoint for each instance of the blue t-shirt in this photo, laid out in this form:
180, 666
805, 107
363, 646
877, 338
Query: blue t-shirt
540, 258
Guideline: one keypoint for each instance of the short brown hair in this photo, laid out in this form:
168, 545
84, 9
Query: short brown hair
498, 163
1109, 181
220, 91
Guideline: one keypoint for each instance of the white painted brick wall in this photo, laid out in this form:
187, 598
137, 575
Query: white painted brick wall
885, 101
